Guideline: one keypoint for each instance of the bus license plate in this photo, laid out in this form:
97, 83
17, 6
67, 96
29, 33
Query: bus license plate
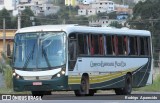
37, 83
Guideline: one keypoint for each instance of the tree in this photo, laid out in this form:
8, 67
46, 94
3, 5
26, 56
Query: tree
4, 13
25, 17
146, 15
115, 24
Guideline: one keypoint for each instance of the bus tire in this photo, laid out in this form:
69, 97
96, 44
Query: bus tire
84, 87
128, 85
127, 88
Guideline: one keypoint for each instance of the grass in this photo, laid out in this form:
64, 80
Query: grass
5, 90
155, 87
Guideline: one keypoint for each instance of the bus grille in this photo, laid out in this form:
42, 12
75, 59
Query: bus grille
37, 77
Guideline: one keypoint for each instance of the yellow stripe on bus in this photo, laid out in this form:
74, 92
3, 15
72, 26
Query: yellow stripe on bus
99, 78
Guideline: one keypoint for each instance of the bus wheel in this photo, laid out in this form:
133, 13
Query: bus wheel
84, 87
127, 88
128, 85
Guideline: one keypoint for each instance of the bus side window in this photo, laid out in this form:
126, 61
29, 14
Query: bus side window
142, 52
72, 47
146, 47
82, 44
115, 45
149, 46
120, 45
108, 44
101, 45
133, 46
94, 45
125, 45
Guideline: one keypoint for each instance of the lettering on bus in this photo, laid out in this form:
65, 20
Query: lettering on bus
104, 64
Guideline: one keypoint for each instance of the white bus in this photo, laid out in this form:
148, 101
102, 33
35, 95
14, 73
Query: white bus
81, 59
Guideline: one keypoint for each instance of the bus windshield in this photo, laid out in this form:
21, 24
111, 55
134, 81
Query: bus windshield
39, 50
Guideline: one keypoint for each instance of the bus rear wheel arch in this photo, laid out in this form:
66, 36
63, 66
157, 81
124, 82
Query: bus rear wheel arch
127, 89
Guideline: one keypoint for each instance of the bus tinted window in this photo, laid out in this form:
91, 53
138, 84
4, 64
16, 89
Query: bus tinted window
142, 50
133, 46
101, 45
108, 44
83, 43
146, 47
94, 45
120, 45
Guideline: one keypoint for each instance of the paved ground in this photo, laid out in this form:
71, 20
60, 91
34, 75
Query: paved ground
104, 96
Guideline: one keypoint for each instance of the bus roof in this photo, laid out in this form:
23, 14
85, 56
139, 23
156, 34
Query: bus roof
84, 29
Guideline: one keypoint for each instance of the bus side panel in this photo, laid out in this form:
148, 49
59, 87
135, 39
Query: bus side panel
111, 84
140, 76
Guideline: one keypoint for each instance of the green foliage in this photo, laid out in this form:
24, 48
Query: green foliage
4, 13
6, 69
112, 15
8, 76
146, 16
25, 18
115, 24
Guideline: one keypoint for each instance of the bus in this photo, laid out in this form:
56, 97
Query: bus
81, 59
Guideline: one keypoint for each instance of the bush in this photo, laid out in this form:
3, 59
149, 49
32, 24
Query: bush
8, 76
6, 69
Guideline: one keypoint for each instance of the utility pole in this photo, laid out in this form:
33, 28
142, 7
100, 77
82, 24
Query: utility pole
19, 20
4, 36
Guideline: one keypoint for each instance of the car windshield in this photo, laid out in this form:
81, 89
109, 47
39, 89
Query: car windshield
39, 50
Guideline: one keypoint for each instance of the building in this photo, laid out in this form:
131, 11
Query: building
99, 6
101, 22
105, 22
123, 11
39, 7
9, 38
136, 1
8, 4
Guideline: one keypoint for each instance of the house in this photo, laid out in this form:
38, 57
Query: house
9, 38
99, 6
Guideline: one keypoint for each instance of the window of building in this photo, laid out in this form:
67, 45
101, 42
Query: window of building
100, 3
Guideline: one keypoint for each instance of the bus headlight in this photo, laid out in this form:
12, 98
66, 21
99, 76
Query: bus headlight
14, 74
58, 75
17, 76
63, 72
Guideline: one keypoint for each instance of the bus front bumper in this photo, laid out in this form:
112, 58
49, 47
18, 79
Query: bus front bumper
59, 83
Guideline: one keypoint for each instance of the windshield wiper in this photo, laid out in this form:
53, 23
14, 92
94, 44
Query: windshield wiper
28, 57
46, 58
